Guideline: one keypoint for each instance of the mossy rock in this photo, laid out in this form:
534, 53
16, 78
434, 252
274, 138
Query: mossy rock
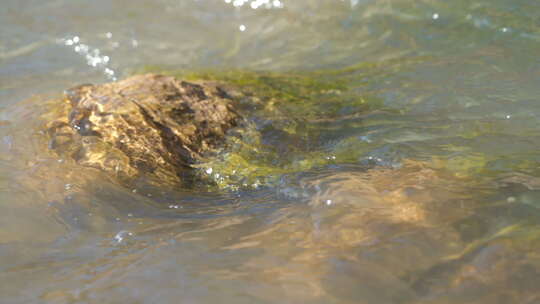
144, 125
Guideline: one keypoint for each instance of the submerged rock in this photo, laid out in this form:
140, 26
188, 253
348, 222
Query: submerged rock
146, 124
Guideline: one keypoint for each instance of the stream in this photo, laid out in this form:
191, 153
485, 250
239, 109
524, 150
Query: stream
394, 155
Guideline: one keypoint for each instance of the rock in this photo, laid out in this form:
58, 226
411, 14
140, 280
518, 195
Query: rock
145, 124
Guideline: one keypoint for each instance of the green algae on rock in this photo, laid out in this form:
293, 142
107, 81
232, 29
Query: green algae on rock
290, 116
146, 124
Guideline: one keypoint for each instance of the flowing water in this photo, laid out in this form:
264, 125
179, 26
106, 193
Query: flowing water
394, 157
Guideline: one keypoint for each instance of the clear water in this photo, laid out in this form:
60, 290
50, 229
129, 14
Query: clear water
447, 213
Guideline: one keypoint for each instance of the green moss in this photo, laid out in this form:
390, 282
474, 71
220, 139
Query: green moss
317, 114
296, 106
299, 93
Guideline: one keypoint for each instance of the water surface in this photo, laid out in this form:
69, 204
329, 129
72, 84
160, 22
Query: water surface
398, 164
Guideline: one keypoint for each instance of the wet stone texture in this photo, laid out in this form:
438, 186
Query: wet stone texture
146, 124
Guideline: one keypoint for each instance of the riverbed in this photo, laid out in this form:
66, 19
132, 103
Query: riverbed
394, 157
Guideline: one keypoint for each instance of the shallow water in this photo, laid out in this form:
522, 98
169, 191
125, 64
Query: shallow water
412, 178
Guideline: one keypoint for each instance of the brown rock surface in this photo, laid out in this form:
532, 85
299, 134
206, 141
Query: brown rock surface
145, 124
